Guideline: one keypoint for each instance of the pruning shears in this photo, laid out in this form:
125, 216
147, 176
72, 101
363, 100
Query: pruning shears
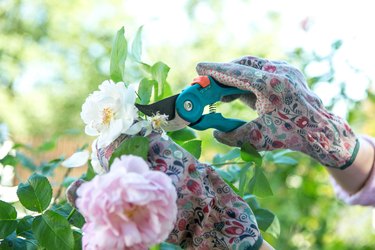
186, 108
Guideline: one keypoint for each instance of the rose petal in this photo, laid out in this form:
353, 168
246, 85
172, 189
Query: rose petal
77, 159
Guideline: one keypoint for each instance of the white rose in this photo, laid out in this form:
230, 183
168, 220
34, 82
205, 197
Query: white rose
109, 112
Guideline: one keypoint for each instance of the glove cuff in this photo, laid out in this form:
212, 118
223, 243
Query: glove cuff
354, 154
335, 145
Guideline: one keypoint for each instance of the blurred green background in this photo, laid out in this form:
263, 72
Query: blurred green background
54, 53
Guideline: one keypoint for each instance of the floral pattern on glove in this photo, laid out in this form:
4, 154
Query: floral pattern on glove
290, 114
210, 214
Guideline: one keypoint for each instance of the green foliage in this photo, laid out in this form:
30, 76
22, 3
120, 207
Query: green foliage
68, 212
118, 56
159, 72
185, 134
24, 227
259, 184
77, 240
13, 242
194, 147
267, 221
36, 194
145, 90
53, 231
90, 173
137, 145
250, 154
186, 138
8, 216
137, 45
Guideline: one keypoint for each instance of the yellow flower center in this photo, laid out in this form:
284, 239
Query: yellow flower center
130, 212
107, 116
159, 120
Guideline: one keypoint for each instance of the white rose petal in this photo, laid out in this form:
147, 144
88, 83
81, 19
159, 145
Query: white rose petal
5, 148
78, 159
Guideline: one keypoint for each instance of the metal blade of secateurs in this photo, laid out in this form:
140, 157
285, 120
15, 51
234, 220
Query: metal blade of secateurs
166, 106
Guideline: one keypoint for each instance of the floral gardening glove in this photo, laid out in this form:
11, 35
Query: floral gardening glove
210, 214
290, 114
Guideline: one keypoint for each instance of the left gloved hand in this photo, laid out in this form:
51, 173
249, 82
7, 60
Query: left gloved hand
210, 214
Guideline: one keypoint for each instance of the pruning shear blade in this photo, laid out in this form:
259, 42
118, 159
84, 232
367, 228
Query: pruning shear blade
166, 106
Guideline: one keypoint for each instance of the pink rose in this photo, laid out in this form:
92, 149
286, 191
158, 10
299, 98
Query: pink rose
130, 207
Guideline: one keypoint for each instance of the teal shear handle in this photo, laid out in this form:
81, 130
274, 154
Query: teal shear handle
206, 91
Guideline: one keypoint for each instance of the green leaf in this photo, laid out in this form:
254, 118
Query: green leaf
65, 209
185, 134
137, 45
77, 240
222, 158
194, 147
137, 145
156, 91
234, 170
118, 56
259, 184
167, 90
146, 67
245, 177
24, 227
77, 220
274, 229
280, 153
9, 160
159, 72
36, 193
264, 218
13, 242
267, 221
250, 154
155, 247
90, 173
48, 145
53, 231
145, 90
251, 201
8, 219
227, 177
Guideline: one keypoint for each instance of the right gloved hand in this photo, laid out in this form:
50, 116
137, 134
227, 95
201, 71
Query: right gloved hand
290, 114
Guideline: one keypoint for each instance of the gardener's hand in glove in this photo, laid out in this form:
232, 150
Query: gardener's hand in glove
290, 114
210, 214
